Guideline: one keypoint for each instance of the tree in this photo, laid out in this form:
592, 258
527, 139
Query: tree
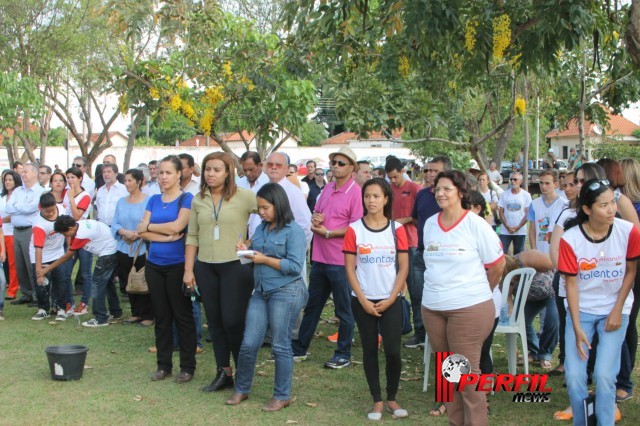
174, 128
312, 134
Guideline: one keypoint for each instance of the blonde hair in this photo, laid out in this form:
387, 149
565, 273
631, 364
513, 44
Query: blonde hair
631, 172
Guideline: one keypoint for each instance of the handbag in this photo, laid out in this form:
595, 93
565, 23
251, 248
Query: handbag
541, 287
406, 306
137, 282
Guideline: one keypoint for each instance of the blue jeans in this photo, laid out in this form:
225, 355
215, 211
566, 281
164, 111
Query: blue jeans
518, 242
276, 310
323, 280
104, 289
606, 367
196, 308
415, 292
542, 349
58, 288
86, 262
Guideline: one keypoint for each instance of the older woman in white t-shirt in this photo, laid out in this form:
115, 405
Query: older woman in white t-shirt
457, 304
597, 257
371, 247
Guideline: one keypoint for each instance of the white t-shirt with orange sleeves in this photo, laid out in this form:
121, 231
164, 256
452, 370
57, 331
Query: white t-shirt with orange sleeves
599, 266
375, 252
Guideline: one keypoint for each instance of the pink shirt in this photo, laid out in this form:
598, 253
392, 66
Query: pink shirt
403, 200
340, 207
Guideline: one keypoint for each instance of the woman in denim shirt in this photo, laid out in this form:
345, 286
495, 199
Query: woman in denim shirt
279, 295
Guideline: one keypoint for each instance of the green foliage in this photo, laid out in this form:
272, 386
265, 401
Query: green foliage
312, 134
144, 141
166, 132
615, 151
57, 137
17, 95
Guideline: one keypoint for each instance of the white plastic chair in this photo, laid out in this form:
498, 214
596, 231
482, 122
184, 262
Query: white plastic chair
516, 325
427, 360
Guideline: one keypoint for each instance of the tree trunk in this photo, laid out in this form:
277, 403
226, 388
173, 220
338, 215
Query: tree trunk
632, 33
503, 142
525, 165
135, 124
581, 106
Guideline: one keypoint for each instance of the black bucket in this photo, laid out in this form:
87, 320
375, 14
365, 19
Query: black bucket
66, 362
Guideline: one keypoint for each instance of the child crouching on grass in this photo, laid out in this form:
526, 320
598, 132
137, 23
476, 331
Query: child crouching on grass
96, 238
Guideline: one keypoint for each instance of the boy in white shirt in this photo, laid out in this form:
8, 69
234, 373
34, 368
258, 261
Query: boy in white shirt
96, 238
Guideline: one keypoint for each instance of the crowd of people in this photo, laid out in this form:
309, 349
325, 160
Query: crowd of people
238, 241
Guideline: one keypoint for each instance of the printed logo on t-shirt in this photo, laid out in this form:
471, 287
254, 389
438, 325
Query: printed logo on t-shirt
607, 269
543, 226
514, 206
365, 252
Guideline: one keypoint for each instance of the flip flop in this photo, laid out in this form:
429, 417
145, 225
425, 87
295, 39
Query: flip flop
627, 397
558, 371
438, 410
562, 415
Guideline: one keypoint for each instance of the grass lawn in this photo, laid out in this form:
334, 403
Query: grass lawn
116, 389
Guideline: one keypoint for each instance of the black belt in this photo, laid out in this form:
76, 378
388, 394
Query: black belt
22, 228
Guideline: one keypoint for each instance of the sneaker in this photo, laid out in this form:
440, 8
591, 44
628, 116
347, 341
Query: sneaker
69, 310
337, 363
414, 342
61, 315
92, 323
81, 309
333, 338
115, 320
40, 315
1, 316
300, 358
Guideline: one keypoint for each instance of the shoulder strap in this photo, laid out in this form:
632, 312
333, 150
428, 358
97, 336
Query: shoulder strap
135, 257
180, 200
395, 240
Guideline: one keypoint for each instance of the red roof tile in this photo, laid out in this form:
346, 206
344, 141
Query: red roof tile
344, 137
617, 125
201, 140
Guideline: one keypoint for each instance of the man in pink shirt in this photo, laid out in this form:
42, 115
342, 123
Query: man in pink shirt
339, 205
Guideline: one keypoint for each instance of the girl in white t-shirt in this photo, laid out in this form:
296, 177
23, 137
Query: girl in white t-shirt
371, 247
597, 258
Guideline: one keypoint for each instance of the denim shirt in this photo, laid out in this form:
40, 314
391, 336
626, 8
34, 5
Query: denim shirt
287, 244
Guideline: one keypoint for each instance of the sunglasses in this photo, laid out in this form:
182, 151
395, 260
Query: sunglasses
276, 165
514, 179
594, 186
77, 165
339, 163
578, 181
431, 171
319, 174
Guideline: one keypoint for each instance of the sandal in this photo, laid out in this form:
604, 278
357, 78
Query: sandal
438, 410
622, 396
564, 415
558, 371
545, 364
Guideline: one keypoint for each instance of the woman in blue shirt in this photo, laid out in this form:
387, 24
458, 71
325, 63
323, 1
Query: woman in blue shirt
164, 223
279, 295
129, 213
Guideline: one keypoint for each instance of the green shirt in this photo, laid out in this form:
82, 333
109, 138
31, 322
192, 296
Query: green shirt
232, 222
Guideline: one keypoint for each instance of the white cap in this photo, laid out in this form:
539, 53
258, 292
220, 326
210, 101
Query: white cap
550, 150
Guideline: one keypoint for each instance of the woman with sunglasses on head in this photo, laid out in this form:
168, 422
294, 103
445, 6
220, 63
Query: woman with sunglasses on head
376, 262
77, 203
165, 218
219, 217
279, 254
597, 257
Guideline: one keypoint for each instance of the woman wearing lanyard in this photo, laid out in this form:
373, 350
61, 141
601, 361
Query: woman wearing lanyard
219, 217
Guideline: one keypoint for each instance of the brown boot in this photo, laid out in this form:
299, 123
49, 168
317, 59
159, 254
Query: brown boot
237, 398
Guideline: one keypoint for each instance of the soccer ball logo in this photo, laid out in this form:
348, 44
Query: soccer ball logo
454, 366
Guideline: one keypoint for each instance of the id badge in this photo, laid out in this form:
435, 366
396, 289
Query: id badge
216, 233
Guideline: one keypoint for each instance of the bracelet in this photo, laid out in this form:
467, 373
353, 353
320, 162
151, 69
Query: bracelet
148, 227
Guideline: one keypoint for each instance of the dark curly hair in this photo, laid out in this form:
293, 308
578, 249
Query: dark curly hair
460, 182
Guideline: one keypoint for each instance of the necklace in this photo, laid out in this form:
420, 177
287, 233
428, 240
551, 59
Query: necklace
592, 240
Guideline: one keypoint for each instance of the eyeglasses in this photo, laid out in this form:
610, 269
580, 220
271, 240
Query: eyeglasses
339, 163
276, 165
77, 165
319, 174
597, 184
578, 181
431, 171
514, 179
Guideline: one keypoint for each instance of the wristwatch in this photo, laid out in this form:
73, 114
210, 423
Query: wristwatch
327, 234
